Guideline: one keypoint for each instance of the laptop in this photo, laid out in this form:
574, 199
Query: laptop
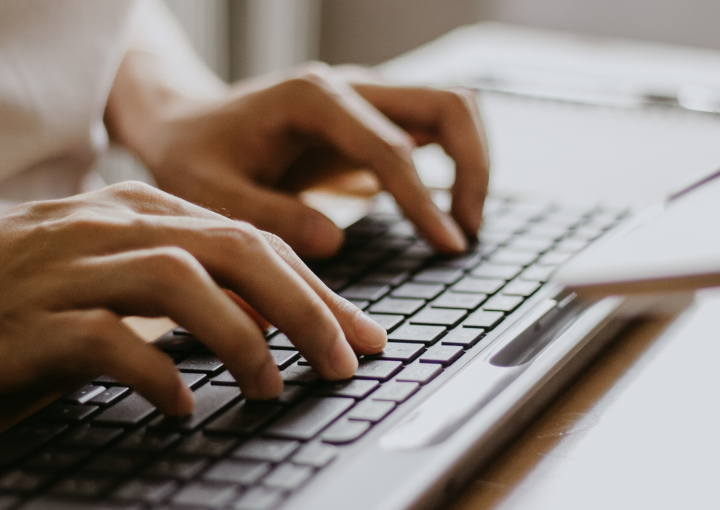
478, 345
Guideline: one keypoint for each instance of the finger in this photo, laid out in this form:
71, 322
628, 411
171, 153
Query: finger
364, 335
450, 118
331, 110
111, 347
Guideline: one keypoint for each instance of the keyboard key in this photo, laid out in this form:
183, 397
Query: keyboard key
299, 374
24, 439
310, 416
443, 354
377, 369
417, 334
530, 244
448, 276
206, 495
269, 450
389, 322
335, 283
438, 317
283, 358
458, 300
554, 258
315, 454
149, 441
57, 457
174, 341
399, 351
129, 411
89, 436
503, 272
176, 466
345, 431
537, 273
144, 489
397, 306
224, 379
66, 413
106, 380
546, 231
478, 286
361, 304
503, 303
281, 341
259, 498
83, 395
23, 480
464, 337
244, 418
421, 373
402, 264
288, 477
483, 319
392, 278
291, 393
82, 486
521, 288
515, 258
244, 472
192, 380
116, 462
109, 396
45, 503
355, 388
460, 261
418, 250
205, 446
365, 292
418, 290
371, 410
396, 391
570, 245
203, 363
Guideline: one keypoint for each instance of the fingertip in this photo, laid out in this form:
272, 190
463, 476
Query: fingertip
371, 334
452, 239
268, 383
320, 237
184, 402
343, 361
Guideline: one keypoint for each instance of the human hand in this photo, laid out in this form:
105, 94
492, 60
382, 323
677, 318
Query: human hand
249, 151
71, 268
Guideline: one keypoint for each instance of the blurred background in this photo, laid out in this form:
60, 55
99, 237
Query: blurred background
240, 38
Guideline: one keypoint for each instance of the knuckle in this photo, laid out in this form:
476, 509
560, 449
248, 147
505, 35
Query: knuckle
312, 78
172, 265
281, 247
132, 190
243, 238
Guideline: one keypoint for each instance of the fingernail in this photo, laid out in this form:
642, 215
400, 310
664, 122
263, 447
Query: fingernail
269, 384
185, 403
343, 360
455, 238
370, 332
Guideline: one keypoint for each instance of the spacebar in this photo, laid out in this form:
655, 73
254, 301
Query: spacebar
310, 417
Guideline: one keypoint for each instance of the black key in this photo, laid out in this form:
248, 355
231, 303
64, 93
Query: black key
23, 480
521, 288
464, 337
478, 285
315, 454
421, 373
377, 369
371, 410
224, 379
174, 342
244, 418
537, 273
45, 503
244, 472
402, 264
418, 290
88, 436
438, 317
309, 417
145, 489
206, 495
443, 354
129, 411
483, 319
259, 498
503, 303
23, 439
206, 446
396, 391
82, 486
283, 358
397, 306
399, 351
203, 363
389, 322
66, 413
504, 272
106, 380
417, 334
419, 250
335, 283
392, 278
362, 305
355, 388
117, 462
459, 300
299, 374
448, 276
192, 380
288, 477
84, 394
345, 431
268, 450
57, 457
176, 466
109, 396
281, 341
461, 261
209, 400
365, 292
389, 244
149, 441
291, 393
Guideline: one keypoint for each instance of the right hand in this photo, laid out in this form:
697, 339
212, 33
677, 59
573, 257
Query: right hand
69, 269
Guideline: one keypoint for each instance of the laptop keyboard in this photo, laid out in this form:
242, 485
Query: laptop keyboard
105, 447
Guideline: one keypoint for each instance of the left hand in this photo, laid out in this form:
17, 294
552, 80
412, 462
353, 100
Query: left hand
249, 151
